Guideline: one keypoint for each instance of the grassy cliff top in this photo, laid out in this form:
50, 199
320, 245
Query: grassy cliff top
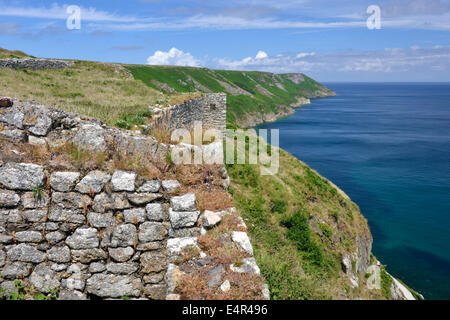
252, 95
8, 54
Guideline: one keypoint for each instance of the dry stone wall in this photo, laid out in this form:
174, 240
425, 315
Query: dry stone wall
34, 64
96, 234
210, 110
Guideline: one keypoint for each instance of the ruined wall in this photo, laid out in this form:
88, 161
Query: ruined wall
211, 110
98, 234
34, 64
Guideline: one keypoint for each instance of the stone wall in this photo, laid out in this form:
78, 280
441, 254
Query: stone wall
210, 109
34, 64
98, 234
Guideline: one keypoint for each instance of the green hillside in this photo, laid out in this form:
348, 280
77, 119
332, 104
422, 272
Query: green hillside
252, 95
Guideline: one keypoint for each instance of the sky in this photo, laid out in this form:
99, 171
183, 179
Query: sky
329, 40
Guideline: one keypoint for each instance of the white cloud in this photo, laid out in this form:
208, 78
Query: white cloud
261, 55
378, 61
59, 12
174, 57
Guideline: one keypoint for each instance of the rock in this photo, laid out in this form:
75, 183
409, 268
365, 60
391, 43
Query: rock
29, 201
155, 245
21, 176
2, 258
210, 219
94, 181
63, 181
25, 253
156, 292
143, 198
34, 215
6, 103
104, 202
183, 203
5, 239
156, 212
346, 264
9, 199
150, 186
153, 261
44, 279
113, 286
70, 200
59, 214
121, 268
11, 216
14, 270
154, 278
83, 238
183, 219
89, 255
136, 215
76, 268
354, 281
225, 286
35, 141
170, 185
59, 254
123, 181
184, 232
41, 125
54, 237
13, 117
242, 240
70, 295
101, 220
152, 231
248, 265
173, 277
176, 246
14, 136
173, 297
124, 236
215, 276
91, 137
28, 236
74, 282
96, 267
121, 254
266, 292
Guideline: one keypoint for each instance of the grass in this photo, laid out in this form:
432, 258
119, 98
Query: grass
98, 90
249, 93
295, 260
16, 54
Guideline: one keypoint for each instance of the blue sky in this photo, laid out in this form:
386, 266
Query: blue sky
328, 40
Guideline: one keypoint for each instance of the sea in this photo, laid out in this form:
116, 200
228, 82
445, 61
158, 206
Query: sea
387, 145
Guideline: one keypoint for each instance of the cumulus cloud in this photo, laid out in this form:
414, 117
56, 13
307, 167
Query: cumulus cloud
174, 57
377, 61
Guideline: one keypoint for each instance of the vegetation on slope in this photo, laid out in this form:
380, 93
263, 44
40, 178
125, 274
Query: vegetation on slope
8, 54
251, 94
97, 90
300, 225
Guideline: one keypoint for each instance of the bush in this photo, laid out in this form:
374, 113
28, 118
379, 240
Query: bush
300, 233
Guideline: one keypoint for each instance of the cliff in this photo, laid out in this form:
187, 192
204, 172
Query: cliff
253, 97
310, 241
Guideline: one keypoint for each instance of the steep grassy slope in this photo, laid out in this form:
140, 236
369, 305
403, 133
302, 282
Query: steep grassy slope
300, 225
253, 97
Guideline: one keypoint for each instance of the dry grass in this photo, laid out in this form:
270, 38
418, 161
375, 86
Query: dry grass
98, 90
218, 245
183, 97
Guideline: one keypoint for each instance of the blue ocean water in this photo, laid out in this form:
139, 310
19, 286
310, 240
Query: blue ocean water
388, 147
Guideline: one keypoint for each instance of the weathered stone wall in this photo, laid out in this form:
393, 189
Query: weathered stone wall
34, 64
96, 234
210, 109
